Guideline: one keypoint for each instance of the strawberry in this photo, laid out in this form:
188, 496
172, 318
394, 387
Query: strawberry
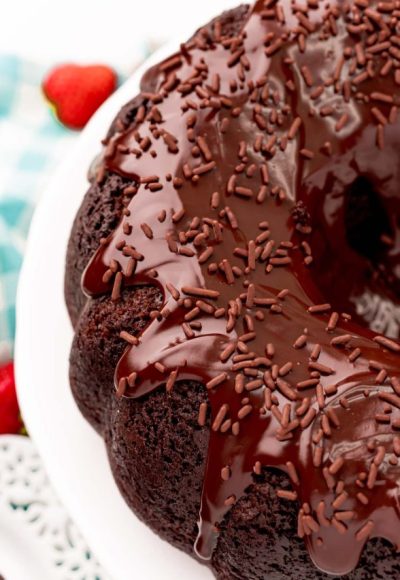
76, 92
10, 418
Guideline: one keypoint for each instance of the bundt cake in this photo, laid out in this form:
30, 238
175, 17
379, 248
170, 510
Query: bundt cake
233, 278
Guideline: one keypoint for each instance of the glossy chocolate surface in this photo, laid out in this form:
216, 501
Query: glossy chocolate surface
295, 109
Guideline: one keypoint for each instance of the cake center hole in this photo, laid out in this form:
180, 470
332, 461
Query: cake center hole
354, 263
367, 224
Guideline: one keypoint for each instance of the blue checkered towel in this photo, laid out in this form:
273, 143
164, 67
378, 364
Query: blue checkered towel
31, 144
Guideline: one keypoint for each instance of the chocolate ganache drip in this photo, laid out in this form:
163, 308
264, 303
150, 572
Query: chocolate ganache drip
242, 157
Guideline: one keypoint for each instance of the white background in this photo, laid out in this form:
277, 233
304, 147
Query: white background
110, 31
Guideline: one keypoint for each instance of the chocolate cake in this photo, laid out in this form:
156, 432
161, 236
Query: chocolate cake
233, 278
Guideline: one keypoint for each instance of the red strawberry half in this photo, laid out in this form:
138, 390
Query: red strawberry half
10, 418
76, 92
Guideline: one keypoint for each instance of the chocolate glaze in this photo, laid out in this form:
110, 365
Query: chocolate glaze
301, 168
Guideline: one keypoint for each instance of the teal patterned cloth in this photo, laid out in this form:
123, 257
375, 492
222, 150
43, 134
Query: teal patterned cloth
31, 145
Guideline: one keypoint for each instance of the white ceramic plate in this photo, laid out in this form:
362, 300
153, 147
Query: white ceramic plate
73, 453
